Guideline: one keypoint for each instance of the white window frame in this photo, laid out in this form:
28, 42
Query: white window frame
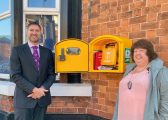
4, 76
40, 11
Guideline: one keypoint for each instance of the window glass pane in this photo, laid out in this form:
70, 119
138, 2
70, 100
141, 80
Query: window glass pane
49, 24
41, 3
4, 6
5, 45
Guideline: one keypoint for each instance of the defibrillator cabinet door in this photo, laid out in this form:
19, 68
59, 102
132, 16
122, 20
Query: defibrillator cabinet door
109, 53
71, 56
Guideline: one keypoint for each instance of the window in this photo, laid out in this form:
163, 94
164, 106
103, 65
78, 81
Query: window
41, 3
5, 45
4, 6
47, 14
5, 37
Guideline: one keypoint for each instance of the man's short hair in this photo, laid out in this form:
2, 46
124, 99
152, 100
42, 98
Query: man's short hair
34, 23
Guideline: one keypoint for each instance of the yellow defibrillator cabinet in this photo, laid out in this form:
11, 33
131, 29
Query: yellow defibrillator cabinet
105, 53
71, 55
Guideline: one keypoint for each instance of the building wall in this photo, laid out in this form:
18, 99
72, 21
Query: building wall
100, 104
6, 103
132, 19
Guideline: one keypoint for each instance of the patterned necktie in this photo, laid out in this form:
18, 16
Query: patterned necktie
36, 57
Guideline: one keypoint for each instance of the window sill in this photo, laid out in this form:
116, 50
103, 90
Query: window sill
57, 89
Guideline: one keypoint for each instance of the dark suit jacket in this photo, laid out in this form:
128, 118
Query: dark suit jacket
26, 77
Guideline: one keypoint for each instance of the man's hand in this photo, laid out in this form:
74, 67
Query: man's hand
43, 89
37, 93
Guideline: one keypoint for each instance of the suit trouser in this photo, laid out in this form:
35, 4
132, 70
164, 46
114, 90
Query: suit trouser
36, 113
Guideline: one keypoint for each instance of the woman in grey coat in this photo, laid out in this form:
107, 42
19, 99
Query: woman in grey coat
143, 91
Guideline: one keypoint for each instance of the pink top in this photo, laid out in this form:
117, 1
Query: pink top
132, 101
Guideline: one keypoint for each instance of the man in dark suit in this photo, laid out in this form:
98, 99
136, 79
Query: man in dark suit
32, 69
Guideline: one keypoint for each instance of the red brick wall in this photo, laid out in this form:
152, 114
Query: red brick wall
6, 103
73, 105
133, 19
105, 87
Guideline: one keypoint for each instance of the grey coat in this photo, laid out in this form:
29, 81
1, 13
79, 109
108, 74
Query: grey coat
157, 96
